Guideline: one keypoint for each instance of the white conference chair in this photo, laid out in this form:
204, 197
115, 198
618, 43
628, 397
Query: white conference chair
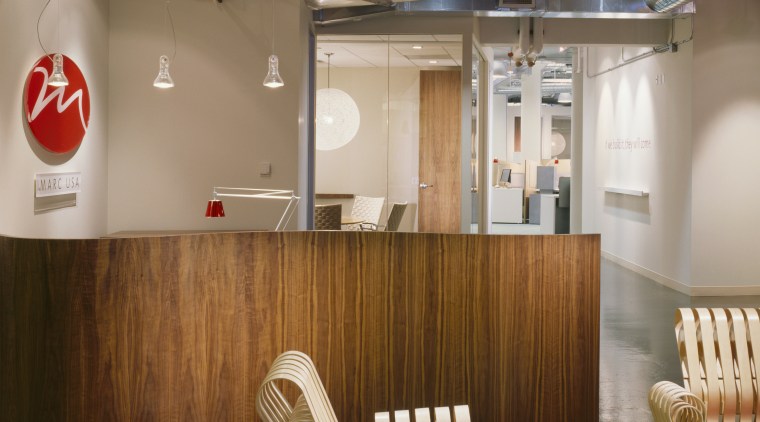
368, 210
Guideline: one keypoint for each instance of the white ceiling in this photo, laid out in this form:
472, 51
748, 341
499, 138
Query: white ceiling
390, 51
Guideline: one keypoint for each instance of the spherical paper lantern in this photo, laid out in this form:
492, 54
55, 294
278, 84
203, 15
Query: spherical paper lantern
337, 119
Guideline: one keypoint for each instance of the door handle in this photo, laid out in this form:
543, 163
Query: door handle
425, 186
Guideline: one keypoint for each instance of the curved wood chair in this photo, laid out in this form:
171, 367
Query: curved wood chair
719, 365
442, 414
327, 217
311, 405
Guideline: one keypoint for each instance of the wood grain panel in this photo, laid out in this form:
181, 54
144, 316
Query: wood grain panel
440, 151
184, 328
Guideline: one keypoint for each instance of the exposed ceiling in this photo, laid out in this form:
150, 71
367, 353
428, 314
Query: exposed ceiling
431, 51
336, 11
330, 4
554, 62
420, 51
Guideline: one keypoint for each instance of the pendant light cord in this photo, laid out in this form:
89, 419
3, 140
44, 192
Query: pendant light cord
174, 33
39, 18
272, 26
58, 23
328, 69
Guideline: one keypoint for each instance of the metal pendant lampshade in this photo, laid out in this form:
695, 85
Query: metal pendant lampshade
273, 79
164, 79
214, 208
565, 98
58, 78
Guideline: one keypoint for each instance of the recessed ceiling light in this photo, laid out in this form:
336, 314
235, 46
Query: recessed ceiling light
433, 62
417, 47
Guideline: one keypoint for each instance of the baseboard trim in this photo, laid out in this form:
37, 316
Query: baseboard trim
725, 291
683, 288
657, 277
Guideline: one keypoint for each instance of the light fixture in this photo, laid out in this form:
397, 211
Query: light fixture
433, 62
216, 209
565, 98
417, 47
530, 42
58, 78
532, 58
519, 57
499, 71
337, 117
164, 79
558, 144
273, 79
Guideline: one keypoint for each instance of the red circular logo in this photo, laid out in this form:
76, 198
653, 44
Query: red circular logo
57, 116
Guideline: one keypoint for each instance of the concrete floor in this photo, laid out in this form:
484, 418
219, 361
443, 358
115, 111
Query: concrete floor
637, 339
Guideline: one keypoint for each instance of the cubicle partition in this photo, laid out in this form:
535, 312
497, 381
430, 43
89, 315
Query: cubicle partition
185, 327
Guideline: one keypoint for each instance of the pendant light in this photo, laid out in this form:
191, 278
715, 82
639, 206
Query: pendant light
58, 78
337, 118
164, 79
273, 79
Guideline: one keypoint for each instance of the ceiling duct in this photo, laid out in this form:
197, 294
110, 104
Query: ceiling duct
517, 3
334, 11
333, 4
664, 6
348, 14
545, 8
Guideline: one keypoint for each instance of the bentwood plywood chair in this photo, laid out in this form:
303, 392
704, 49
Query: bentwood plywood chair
311, 405
442, 414
720, 352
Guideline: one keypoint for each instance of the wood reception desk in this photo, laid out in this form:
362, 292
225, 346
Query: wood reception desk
185, 327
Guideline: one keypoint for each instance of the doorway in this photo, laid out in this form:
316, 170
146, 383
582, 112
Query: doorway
388, 147
532, 121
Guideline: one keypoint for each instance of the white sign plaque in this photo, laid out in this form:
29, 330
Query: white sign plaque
51, 184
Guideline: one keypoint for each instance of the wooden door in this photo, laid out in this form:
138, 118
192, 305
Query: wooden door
440, 149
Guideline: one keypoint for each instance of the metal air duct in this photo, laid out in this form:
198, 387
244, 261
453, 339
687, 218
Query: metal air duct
332, 11
664, 6
544, 8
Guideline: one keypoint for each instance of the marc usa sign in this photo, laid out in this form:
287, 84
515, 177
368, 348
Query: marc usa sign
57, 116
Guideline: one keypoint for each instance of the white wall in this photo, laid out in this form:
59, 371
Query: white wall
651, 122
383, 158
169, 147
84, 38
726, 108
499, 127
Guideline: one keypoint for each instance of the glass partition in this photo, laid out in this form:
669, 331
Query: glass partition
374, 149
